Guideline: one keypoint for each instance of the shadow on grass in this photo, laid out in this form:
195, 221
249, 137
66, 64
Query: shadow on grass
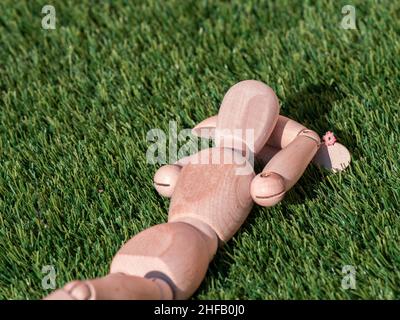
311, 107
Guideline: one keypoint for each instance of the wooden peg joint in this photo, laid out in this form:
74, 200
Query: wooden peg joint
310, 135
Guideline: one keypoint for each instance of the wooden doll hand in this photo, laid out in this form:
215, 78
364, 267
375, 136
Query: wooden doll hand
267, 189
165, 179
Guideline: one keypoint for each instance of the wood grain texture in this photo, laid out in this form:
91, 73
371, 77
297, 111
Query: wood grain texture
291, 161
114, 286
165, 179
213, 193
285, 131
251, 105
266, 154
175, 252
206, 128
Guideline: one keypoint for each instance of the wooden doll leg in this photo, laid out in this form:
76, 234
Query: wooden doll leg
167, 261
176, 252
115, 286
285, 168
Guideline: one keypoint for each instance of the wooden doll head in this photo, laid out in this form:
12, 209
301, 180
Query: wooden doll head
247, 116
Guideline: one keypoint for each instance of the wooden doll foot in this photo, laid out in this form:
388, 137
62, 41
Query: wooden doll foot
59, 294
75, 290
79, 290
116, 286
267, 189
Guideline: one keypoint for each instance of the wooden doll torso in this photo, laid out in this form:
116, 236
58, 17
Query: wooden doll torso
215, 190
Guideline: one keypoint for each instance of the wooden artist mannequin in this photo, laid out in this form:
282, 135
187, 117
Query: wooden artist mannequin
210, 200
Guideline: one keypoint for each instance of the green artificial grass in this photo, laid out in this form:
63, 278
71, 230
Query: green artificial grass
76, 104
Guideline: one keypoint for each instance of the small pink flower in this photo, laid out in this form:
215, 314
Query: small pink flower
329, 138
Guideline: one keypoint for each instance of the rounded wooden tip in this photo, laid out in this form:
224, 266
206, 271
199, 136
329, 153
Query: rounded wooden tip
81, 291
267, 189
59, 294
75, 290
248, 114
251, 84
165, 179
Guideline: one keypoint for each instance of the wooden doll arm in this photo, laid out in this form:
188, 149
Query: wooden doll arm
284, 169
166, 177
332, 156
206, 128
284, 132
